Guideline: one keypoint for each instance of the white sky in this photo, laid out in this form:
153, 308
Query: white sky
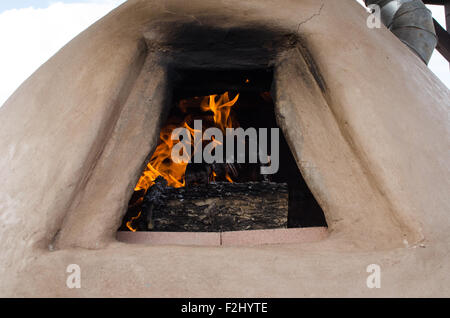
30, 35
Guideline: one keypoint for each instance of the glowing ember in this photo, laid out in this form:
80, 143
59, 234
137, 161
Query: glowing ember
227, 176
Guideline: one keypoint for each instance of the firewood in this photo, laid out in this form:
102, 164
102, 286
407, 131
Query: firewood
222, 207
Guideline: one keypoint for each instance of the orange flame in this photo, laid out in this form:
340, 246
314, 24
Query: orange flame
131, 221
221, 109
161, 163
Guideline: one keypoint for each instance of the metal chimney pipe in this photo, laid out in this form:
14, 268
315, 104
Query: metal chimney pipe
411, 22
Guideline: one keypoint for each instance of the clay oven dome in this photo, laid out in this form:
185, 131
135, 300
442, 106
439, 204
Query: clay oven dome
365, 119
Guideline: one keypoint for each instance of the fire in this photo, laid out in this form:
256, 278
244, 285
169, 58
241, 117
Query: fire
221, 109
131, 221
161, 163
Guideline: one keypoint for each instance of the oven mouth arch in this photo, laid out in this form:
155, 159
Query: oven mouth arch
294, 71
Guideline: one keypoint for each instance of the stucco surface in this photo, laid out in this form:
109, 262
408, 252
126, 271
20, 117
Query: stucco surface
367, 122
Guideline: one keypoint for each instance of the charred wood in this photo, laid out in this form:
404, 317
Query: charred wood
222, 207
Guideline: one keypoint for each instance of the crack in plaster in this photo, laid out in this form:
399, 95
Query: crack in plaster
311, 17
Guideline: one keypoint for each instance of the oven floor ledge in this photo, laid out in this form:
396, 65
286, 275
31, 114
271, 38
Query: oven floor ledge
233, 238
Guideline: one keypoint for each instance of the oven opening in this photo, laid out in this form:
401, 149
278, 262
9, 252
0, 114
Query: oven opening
222, 163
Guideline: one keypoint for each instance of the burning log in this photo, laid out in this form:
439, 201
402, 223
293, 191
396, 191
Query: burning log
219, 207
